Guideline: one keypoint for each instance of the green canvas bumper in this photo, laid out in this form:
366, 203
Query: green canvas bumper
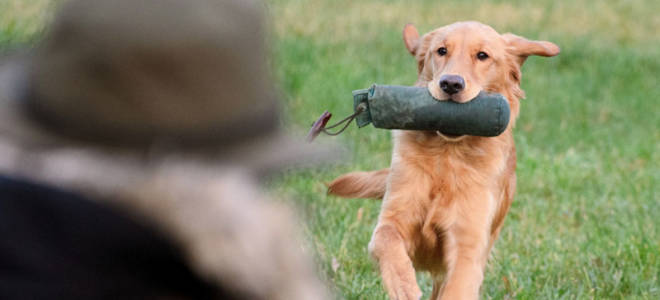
413, 108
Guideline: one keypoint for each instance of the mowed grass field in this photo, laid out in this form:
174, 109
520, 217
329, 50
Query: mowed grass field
585, 223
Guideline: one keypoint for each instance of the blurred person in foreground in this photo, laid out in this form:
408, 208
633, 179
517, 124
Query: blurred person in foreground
131, 143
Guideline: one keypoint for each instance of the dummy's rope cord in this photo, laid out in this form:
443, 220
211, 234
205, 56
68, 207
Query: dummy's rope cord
358, 110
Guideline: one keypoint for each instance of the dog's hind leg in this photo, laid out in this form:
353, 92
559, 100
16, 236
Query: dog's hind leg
388, 248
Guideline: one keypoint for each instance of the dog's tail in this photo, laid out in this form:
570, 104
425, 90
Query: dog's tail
360, 184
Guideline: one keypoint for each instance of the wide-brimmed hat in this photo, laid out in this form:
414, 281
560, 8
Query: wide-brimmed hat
184, 75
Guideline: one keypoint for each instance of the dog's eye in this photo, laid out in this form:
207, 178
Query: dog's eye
442, 51
482, 55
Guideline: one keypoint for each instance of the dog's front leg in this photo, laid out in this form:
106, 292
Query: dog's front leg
388, 248
467, 246
392, 244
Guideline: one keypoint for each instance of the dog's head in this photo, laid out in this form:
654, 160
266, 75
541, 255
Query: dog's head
458, 61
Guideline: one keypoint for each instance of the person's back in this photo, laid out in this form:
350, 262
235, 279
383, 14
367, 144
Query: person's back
128, 170
59, 244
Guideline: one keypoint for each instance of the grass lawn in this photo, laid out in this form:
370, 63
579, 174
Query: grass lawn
585, 223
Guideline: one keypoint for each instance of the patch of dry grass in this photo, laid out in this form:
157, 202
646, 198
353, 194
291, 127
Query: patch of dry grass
344, 21
22, 20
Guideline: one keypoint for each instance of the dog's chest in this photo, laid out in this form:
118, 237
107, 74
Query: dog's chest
459, 184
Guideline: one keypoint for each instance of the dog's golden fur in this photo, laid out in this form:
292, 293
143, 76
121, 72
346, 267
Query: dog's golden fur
445, 197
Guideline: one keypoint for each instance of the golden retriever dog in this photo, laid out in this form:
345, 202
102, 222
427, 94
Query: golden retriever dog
445, 197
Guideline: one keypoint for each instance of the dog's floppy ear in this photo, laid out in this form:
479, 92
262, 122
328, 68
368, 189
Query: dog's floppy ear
411, 38
522, 47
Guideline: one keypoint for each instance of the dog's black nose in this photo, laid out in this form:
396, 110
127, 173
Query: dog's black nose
452, 84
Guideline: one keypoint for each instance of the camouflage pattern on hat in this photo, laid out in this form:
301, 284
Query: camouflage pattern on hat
134, 72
